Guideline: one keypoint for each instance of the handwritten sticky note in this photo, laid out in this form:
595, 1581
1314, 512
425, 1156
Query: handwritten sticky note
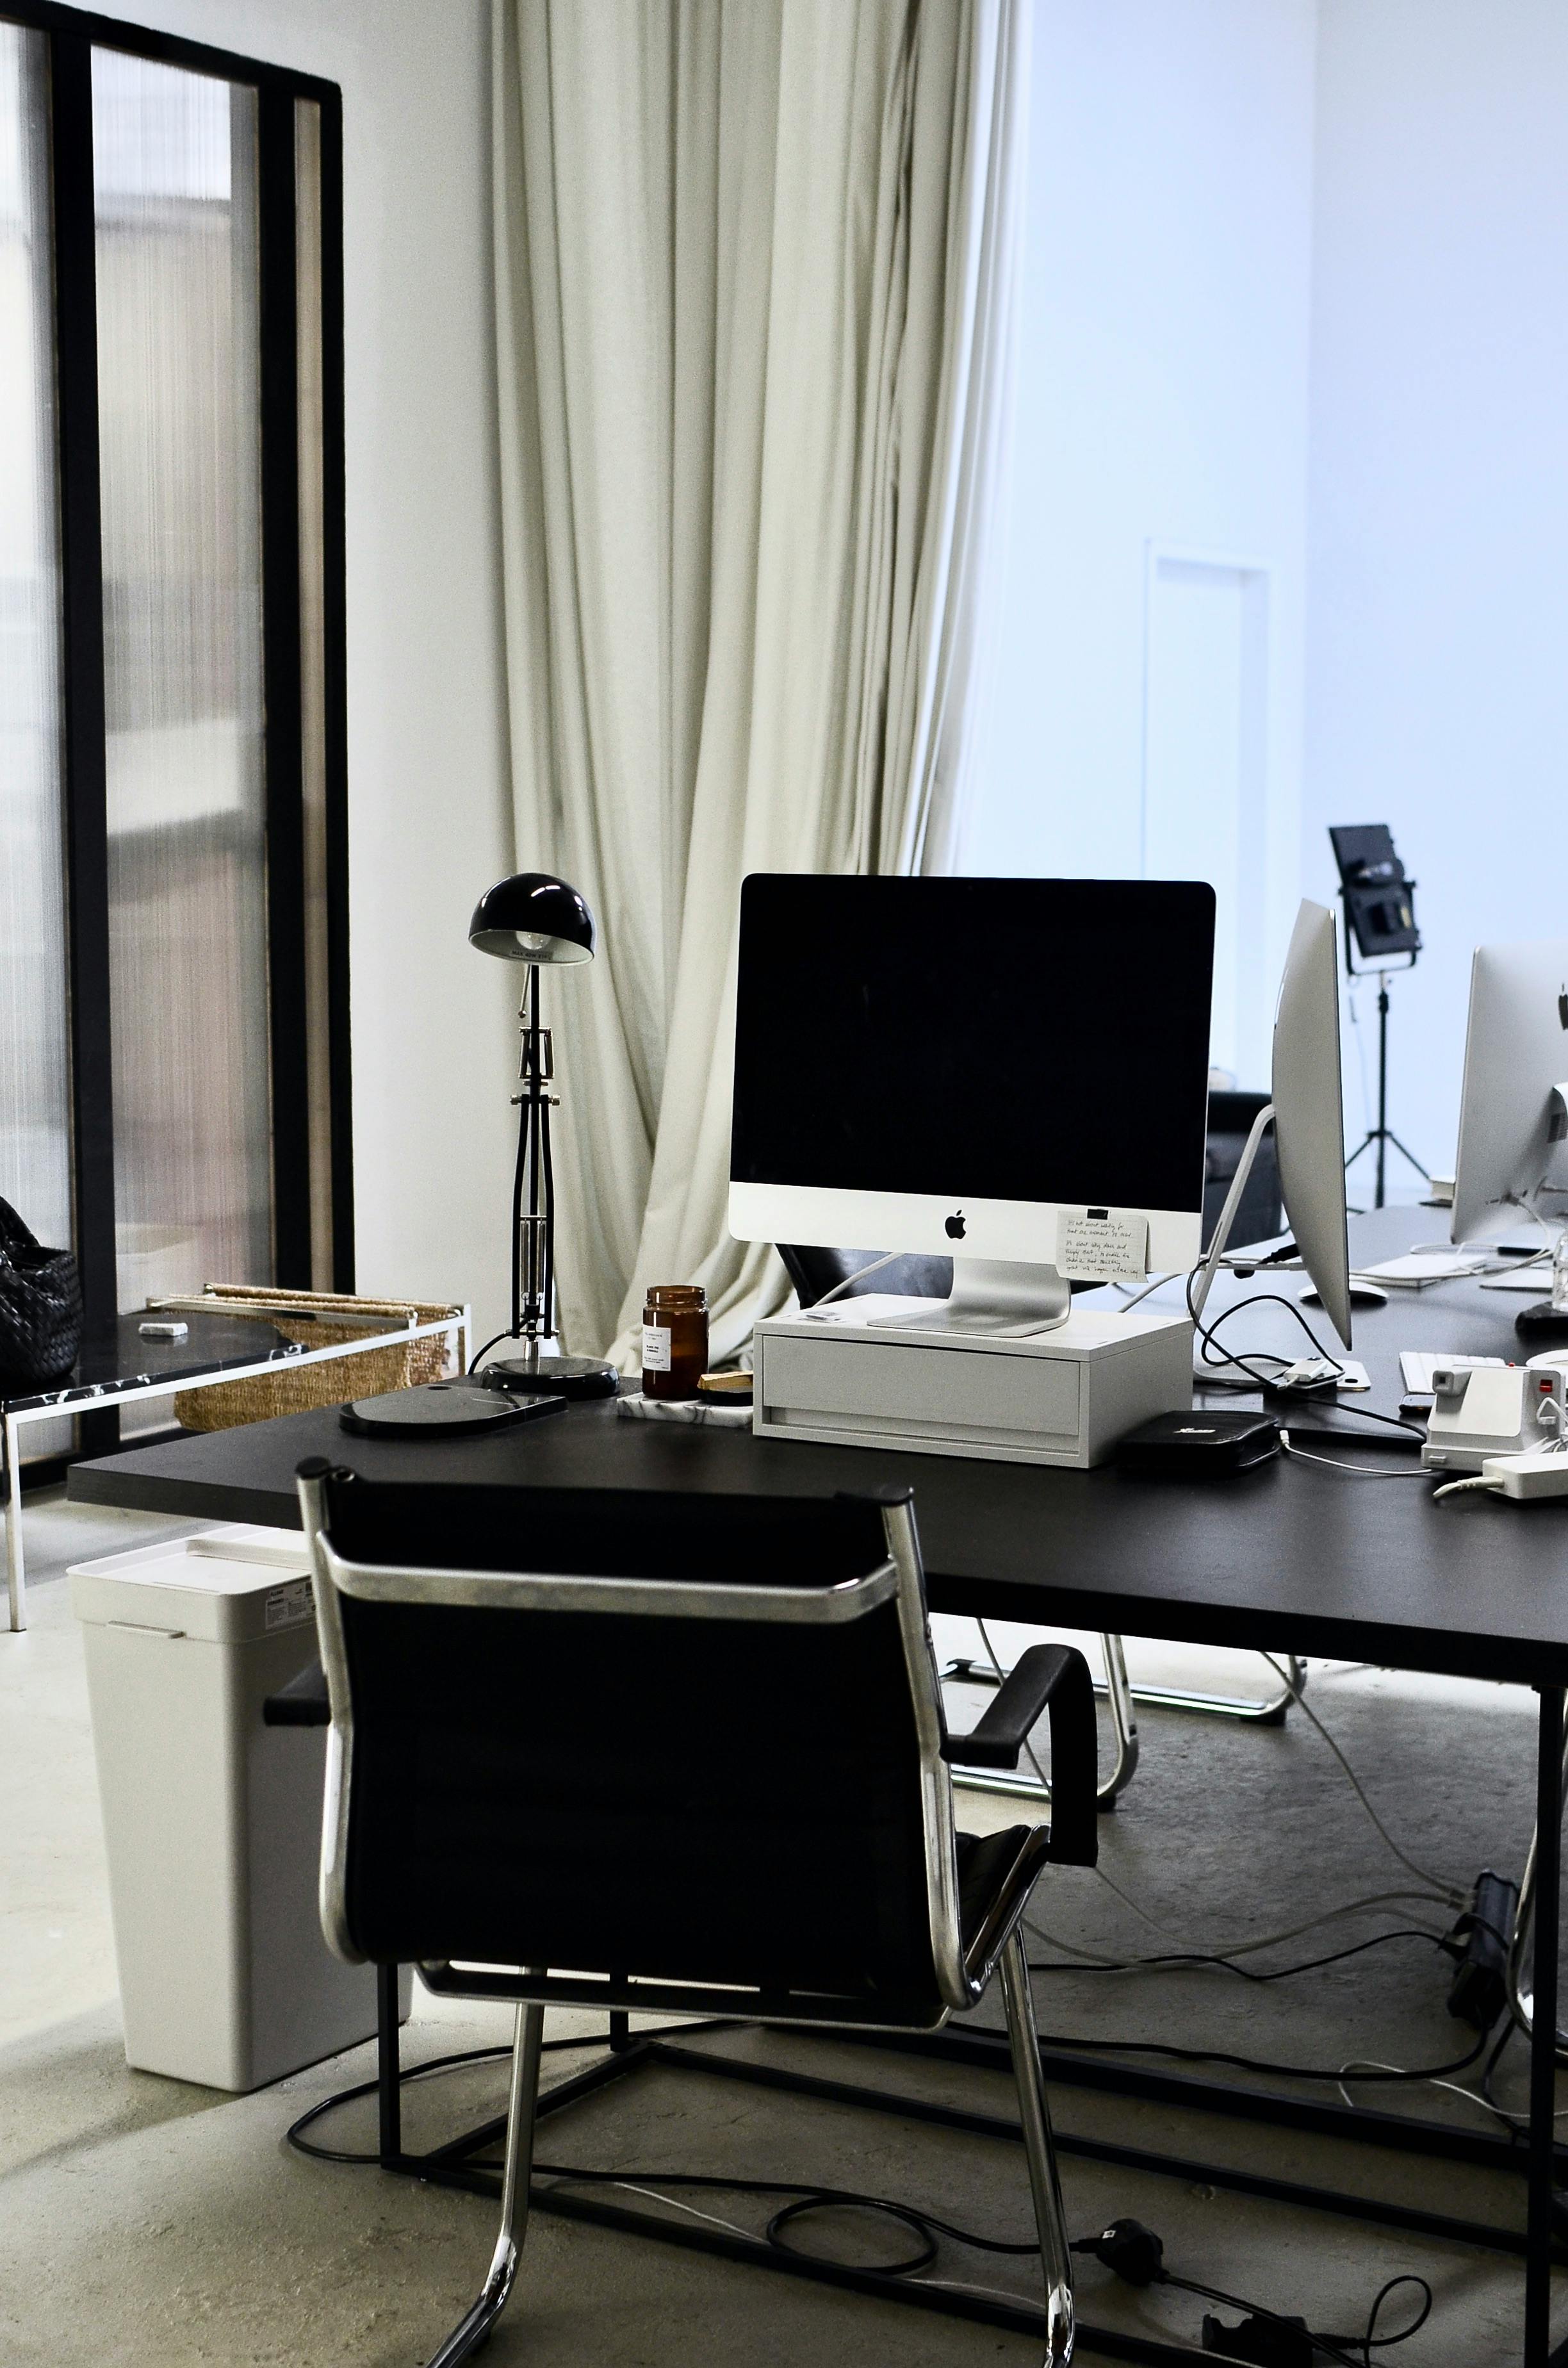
1102, 1246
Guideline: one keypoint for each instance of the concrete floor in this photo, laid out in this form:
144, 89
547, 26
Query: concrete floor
153, 2225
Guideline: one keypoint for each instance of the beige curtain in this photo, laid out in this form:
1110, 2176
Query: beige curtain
754, 279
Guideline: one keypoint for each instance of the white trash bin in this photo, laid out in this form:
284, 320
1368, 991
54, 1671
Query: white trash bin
212, 1821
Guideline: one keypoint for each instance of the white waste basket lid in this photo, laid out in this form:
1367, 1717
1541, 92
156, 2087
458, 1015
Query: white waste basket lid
227, 1586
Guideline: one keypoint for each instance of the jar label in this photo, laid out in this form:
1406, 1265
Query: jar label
655, 1349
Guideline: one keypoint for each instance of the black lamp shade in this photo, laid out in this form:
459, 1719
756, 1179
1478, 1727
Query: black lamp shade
533, 917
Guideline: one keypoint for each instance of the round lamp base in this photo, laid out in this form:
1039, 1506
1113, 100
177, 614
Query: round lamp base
566, 1377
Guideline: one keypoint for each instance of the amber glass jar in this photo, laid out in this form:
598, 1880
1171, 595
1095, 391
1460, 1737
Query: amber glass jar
675, 1339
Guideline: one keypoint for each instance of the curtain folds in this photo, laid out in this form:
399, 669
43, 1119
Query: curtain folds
755, 275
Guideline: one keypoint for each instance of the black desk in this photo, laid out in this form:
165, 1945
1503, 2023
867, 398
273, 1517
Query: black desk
1289, 1557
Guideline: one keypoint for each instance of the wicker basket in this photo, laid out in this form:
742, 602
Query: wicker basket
306, 1316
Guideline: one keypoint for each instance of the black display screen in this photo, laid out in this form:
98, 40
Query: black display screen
1006, 1039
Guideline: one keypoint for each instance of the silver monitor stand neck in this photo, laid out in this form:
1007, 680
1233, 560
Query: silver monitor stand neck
995, 1297
1203, 1275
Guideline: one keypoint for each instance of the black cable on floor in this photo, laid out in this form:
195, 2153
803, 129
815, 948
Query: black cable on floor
807, 2196
1253, 2064
1229, 1964
408, 2072
1137, 2255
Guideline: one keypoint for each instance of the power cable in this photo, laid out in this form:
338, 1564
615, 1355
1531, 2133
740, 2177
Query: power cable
1456, 1898
1126, 2246
1177, 1961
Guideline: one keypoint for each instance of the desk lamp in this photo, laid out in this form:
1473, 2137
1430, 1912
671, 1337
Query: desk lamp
536, 919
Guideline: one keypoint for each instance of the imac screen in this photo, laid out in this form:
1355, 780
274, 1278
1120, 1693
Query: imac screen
1011, 1040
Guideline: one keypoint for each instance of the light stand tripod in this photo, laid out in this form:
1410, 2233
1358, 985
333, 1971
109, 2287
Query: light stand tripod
1382, 1134
1378, 899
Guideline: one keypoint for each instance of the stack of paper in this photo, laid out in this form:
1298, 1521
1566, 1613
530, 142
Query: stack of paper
1416, 1269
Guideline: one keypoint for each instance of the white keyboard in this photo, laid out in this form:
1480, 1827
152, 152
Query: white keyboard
1415, 1368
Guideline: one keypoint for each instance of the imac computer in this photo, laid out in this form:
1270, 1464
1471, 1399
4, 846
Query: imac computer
1308, 1118
1513, 1103
1011, 1070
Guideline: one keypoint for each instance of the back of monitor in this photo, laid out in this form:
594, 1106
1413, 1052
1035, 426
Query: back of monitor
1516, 1052
1308, 1123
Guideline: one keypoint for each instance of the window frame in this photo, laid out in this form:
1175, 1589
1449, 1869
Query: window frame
72, 35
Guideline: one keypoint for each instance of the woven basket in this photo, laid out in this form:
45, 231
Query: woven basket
290, 1388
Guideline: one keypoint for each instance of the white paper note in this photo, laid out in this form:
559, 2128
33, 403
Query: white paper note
1102, 1246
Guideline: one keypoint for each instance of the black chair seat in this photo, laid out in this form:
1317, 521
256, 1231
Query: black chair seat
997, 1873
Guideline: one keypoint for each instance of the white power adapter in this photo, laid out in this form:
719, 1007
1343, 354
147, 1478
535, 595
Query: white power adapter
1542, 1473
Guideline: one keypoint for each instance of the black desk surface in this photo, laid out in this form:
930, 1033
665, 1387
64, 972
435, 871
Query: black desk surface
1286, 1557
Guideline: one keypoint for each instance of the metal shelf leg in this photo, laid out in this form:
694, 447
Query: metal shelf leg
15, 1569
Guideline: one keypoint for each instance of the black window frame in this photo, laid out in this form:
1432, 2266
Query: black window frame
72, 35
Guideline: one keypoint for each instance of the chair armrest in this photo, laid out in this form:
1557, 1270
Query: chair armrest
302, 1702
1055, 1678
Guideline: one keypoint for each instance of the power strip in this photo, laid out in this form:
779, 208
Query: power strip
1541, 1473
1478, 1945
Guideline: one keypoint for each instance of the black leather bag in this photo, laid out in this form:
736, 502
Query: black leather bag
41, 1309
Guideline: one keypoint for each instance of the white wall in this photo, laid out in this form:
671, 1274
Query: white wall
429, 818
1163, 398
1437, 638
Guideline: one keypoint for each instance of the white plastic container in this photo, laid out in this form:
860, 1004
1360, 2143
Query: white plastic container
212, 1821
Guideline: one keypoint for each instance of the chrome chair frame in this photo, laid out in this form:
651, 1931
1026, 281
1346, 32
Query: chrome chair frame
1120, 1695
961, 1975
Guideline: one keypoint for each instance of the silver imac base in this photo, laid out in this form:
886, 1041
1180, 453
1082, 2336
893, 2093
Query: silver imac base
993, 1299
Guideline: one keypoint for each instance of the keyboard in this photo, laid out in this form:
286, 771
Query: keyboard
1415, 1368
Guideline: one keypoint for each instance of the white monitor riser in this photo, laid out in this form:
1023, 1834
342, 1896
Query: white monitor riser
851, 1374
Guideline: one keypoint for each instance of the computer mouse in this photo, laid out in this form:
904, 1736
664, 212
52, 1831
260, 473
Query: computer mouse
1362, 1295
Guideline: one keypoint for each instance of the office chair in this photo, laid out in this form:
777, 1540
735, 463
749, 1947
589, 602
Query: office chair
691, 1749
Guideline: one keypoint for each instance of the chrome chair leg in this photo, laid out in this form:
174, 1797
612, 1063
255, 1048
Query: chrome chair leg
1123, 1722
1056, 2260
1270, 1711
522, 2100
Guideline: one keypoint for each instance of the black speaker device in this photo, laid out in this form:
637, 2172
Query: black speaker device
1200, 1445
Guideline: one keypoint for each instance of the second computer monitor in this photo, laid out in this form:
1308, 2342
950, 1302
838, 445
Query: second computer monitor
961, 1064
1511, 1112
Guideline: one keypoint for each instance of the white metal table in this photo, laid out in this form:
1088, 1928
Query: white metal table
120, 1368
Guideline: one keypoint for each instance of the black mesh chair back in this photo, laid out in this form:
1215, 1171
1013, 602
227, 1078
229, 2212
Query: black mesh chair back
568, 1718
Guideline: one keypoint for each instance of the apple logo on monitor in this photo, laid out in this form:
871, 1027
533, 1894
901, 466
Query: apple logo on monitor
954, 1227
